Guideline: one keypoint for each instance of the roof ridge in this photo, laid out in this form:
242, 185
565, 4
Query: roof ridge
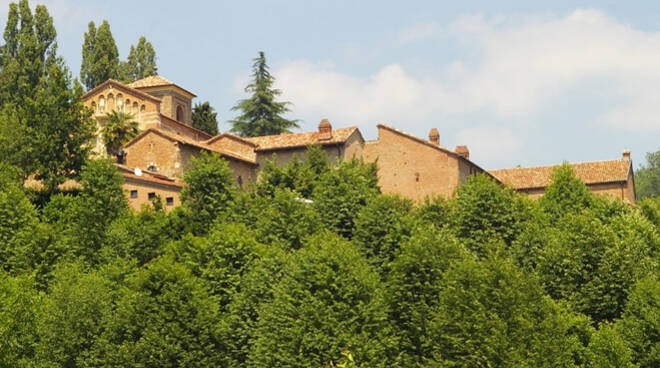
555, 165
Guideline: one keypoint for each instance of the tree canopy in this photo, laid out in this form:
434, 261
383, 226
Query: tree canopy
261, 114
205, 118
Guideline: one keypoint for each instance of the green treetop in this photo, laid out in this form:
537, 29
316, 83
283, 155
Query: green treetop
141, 61
205, 118
261, 114
100, 57
648, 177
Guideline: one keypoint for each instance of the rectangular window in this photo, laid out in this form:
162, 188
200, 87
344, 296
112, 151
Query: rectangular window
133, 193
169, 201
152, 195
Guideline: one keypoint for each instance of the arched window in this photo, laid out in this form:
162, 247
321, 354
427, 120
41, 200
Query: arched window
143, 108
101, 104
94, 106
111, 102
120, 103
135, 107
127, 105
179, 113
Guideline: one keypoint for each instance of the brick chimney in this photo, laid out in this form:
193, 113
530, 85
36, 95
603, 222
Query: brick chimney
462, 151
626, 155
434, 136
325, 130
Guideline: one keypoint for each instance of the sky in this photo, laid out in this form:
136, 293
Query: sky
519, 82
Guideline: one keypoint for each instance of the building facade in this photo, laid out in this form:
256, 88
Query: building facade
156, 160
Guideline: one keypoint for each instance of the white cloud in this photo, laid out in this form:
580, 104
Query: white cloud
490, 143
523, 64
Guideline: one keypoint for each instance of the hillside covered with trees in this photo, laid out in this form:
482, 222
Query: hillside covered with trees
314, 266
310, 267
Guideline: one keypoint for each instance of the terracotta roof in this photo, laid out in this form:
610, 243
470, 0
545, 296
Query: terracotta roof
202, 134
234, 136
589, 172
155, 81
120, 85
190, 142
292, 140
148, 176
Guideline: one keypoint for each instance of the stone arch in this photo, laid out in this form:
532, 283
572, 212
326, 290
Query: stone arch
111, 102
120, 103
101, 103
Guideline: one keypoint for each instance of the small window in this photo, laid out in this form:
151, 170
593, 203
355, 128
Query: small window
179, 113
169, 201
134, 193
143, 108
101, 104
152, 168
135, 107
111, 102
240, 182
94, 106
152, 196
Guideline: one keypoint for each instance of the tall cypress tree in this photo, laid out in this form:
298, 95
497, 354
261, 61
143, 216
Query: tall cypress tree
261, 114
44, 128
141, 61
100, 57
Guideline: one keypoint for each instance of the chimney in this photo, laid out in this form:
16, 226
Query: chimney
434, 136
626, 155
463, 151
325, 130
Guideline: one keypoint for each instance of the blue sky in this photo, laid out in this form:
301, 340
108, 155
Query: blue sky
519, 82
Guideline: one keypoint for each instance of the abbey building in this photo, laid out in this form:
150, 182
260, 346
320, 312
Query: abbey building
414, 167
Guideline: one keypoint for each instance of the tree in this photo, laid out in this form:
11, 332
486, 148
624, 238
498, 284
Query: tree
44, 128
205, 118
100, 57
261, 114
328, 299
413, 285
342, 191
567, 194
647, 178
209, 189
118, 129
141, 62
640, 324
490, 314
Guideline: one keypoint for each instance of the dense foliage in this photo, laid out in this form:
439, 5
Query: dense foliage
205, 118
312, 266
261, 114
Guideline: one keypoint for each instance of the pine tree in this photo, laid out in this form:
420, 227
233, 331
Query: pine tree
261, 114
100, 57
205, 118
141, 62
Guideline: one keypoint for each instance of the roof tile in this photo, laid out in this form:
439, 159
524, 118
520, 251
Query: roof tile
291, 140
541, 176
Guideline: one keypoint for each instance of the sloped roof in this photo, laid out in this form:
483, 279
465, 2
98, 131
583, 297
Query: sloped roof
184, 140
121, 86
230, 135
292, 140
148, 176
156, 81
596, 172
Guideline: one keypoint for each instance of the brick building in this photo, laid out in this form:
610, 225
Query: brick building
614, 178
413, 167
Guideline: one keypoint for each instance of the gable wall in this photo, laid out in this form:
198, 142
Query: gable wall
154, 149
410, 168
232, 144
